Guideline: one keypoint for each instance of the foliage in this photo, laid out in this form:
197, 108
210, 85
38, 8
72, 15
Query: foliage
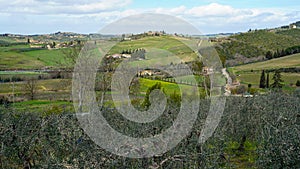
262, 82
31, 87
259, 43
269, 124
146, 102
280, 134
298, 83
277, 81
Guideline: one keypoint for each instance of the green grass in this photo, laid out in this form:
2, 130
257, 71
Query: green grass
45, 107
13, 60
47, 57
157, 48
7, 88
42, 85
254, 78
24, 57
190, 78
250, 73
283, 62
169, 88
242, 159
158, 51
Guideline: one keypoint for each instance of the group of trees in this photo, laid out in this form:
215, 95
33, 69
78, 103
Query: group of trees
130, 51
263, 130
283, 52
138, 53
265, 81
135, 53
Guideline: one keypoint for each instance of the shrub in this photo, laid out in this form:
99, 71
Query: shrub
4, 100
298, 83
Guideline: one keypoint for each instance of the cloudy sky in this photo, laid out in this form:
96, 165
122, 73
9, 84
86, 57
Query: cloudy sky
89, 16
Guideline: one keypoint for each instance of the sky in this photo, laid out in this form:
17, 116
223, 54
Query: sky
90, 16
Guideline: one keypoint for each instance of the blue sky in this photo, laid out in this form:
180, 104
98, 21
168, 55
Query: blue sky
88, 16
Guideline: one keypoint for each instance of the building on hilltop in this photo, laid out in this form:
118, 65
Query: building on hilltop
293, 26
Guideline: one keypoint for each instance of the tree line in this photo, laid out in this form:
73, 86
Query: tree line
284, 52
265, 80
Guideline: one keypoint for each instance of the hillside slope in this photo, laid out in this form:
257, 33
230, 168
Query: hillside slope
291, 61
253, 46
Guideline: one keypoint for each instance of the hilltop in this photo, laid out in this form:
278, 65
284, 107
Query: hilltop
32, 51
255, 45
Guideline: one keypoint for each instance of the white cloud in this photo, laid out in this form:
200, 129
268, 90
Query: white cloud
47, 7
91, 15
218, 18
216, 10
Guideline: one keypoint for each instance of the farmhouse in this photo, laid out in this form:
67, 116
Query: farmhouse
146, 73
293, 26
126, 56
207, 70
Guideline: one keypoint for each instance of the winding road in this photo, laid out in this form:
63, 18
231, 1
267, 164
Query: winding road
229, 82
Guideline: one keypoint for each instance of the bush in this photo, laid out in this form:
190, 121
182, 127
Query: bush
268, 123
280, 134
298, 83
4, 100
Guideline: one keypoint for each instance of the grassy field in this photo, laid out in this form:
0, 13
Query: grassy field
169, 88
42, 86
48, 57
43, 107
283, 62
250, 73
23, 57
157, 49
254, 78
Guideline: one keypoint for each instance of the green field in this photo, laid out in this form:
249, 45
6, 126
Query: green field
23, 57
157, 49
283, 62
42, 86
254, 78
250, 73
169, 88
44, 107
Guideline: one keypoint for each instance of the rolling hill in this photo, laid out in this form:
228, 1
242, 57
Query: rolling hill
253, 46
283, 62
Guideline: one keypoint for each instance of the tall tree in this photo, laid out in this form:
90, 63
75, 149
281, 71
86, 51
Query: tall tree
262, 82
277, 84
268, 80
298, 83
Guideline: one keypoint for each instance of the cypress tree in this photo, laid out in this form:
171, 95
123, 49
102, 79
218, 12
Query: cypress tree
268, 80
298, 83
277, 80
262, 83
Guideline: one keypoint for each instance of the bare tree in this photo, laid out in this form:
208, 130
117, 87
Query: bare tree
31, 88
